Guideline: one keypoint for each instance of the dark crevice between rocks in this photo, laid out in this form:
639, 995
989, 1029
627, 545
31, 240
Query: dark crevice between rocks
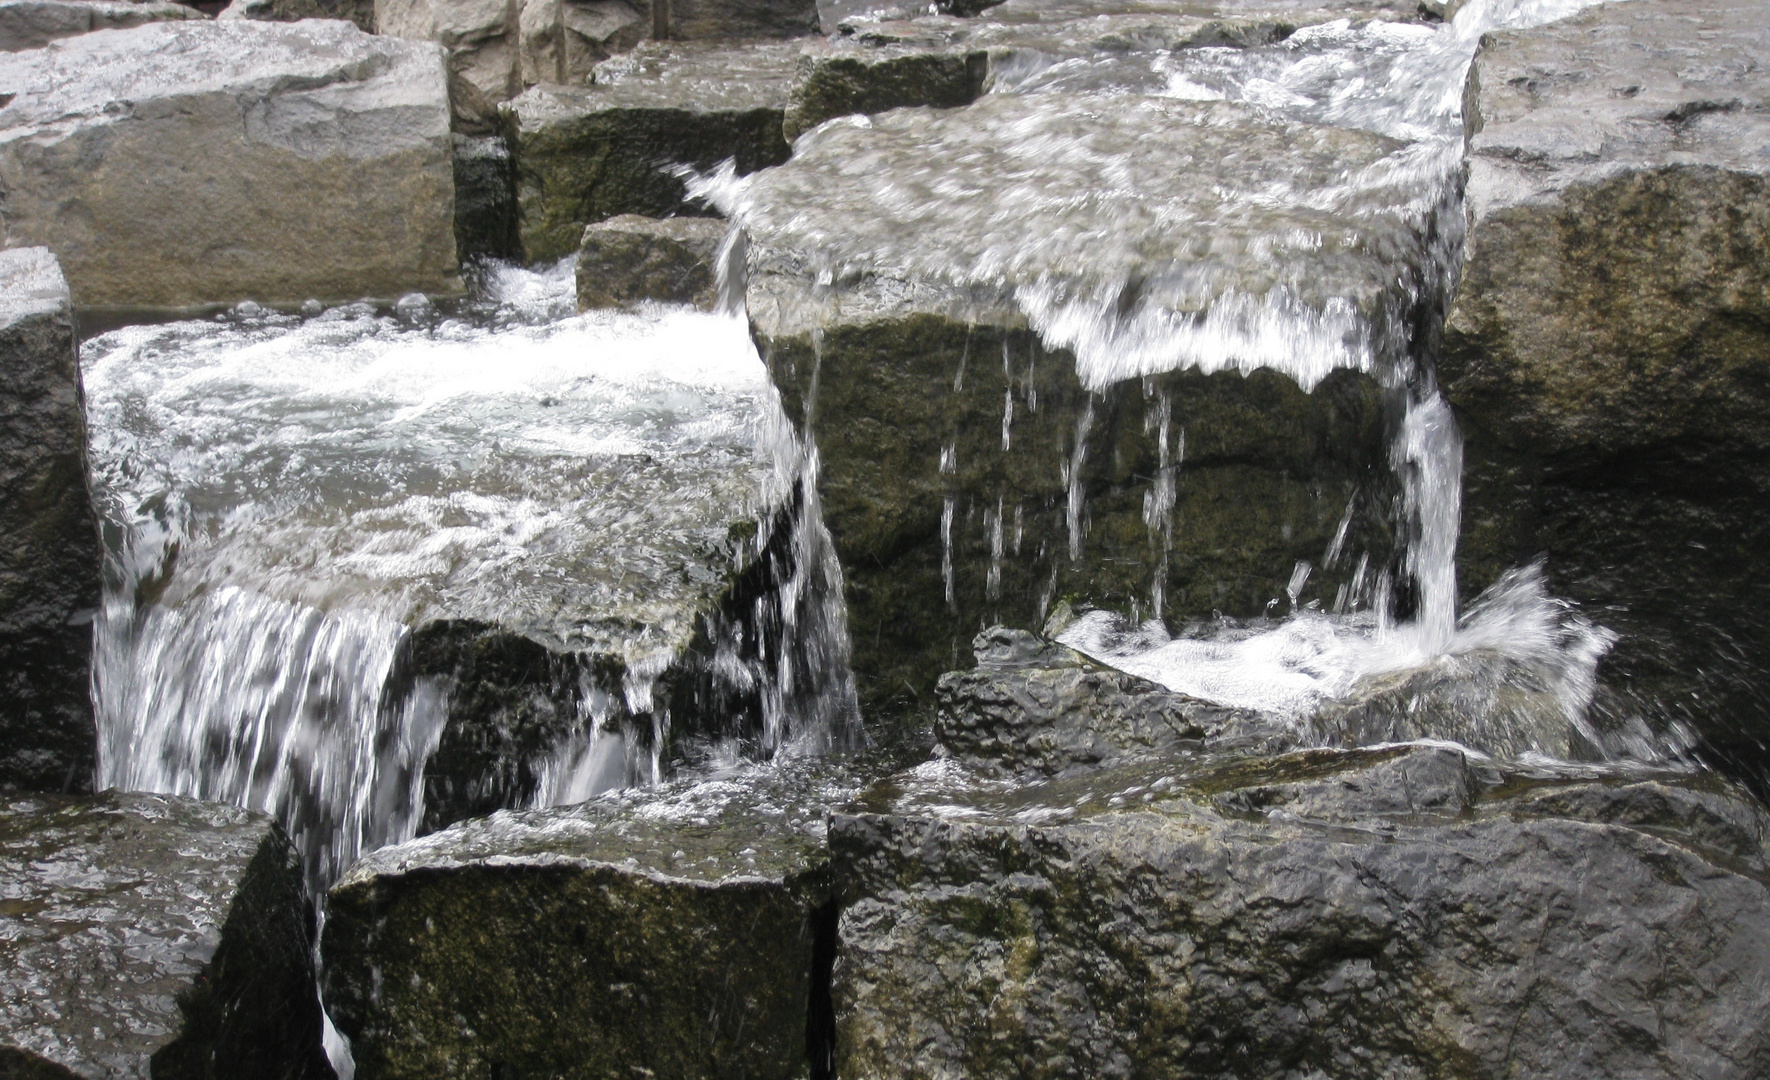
820, 1018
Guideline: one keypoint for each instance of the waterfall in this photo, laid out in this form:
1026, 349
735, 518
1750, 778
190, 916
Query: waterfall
298, 505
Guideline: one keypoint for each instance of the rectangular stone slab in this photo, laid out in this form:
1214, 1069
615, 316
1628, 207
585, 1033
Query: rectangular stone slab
153, 935
197, 162
49, 557
1608, 348
584, 155
672, 932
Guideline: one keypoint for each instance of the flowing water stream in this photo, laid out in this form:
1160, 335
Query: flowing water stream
291, 498
1296, 207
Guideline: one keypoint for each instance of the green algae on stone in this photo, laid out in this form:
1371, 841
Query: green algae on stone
673, 931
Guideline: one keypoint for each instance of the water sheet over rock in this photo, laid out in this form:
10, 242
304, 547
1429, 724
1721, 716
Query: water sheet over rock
152, 935
423, 567
49, 556
977, 315
196, 162
679, 932
1607, 348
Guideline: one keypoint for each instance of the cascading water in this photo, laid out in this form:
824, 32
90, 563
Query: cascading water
289, 498
1323, 236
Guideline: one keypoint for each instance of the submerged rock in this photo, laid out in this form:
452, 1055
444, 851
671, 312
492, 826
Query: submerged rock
126, 154
32, 24
1607, 348
1409, 911
629, 258
881, 60
153, 935
49, 555
620, 146
673, 932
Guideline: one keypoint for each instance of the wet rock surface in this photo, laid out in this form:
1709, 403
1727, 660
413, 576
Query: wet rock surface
1403, 911
1033, 705
49, 555
564, 942
340, 128
629, 259
584, 155
153, 935
1606, 348
872, 79
32, 24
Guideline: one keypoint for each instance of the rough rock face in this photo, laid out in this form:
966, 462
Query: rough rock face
49, 557
672, 932
1607, 348
496, 48
360, 12
153, 935
1032, 705
126, 154
628, 259
586, 155
870, 80
1397, 912
32, 24
971, 474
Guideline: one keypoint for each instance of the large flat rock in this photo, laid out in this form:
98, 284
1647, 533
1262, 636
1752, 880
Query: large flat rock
584, 155
1606, 349
1409, 911
562, 942
49, 557
192, 162
151, 935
